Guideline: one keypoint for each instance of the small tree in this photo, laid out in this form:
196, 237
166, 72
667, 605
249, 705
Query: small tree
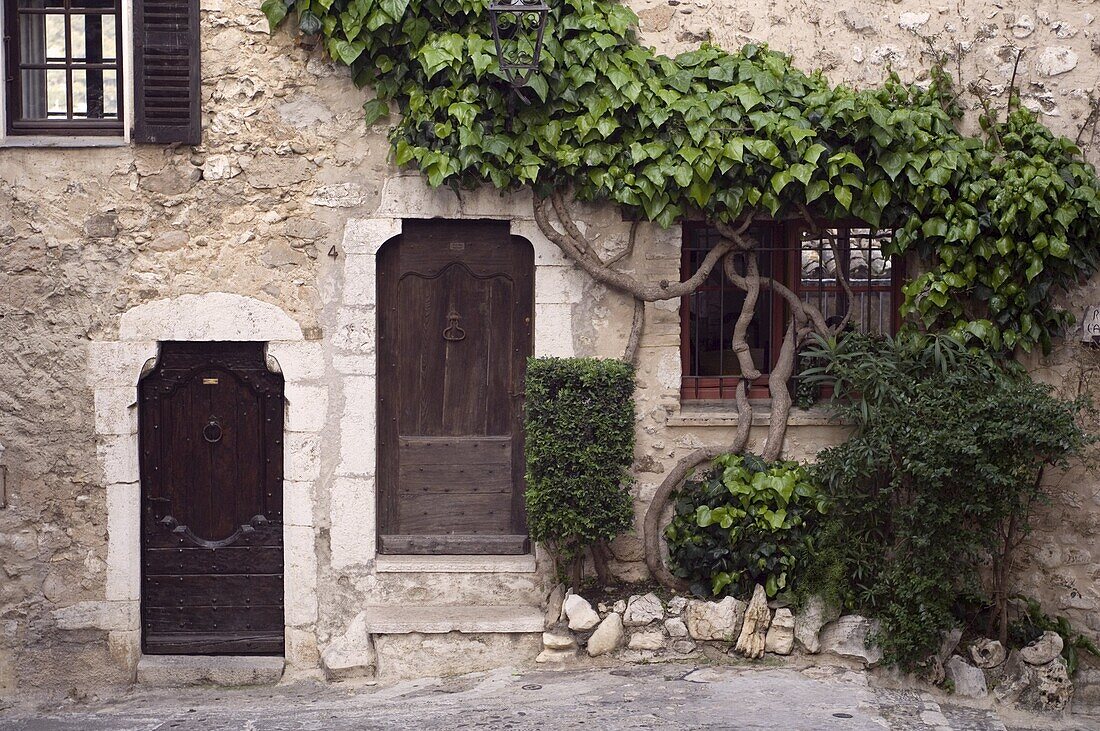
939, 481
580, 445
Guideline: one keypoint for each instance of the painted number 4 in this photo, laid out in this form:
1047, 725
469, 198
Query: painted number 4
333, 252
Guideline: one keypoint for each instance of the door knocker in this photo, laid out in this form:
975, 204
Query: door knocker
212, 432
453, 332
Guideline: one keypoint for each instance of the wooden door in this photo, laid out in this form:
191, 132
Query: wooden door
454, 334
211, 431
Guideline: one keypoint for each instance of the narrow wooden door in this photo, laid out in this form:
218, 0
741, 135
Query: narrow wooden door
211, 431
454, 334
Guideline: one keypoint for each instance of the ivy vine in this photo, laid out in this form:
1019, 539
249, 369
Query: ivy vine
1003, 220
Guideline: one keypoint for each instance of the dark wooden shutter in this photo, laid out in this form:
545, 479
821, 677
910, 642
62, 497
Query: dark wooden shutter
167, 102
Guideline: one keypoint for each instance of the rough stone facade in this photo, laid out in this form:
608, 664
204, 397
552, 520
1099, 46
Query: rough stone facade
102, 249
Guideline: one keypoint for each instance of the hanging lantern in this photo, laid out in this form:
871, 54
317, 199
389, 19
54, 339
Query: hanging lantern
518, 26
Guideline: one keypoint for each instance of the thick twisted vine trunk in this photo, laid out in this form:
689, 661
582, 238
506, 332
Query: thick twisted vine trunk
735, 245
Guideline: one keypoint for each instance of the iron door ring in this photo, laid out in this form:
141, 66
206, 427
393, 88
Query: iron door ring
212, 432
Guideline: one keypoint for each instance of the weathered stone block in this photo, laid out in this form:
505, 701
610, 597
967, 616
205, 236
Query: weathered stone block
608, 637
850, 636
780, 638
968, 680
715, 620
643, 609
351, 521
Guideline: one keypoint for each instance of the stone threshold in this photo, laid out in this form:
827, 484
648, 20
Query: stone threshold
173, 671
390, 620
455, 564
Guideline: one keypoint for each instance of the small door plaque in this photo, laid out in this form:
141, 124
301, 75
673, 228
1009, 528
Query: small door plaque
210, 381
457, 246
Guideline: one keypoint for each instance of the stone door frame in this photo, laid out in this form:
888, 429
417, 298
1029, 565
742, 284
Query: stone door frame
558, 287
114, 368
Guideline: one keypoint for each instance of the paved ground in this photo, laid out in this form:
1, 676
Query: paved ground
639, 697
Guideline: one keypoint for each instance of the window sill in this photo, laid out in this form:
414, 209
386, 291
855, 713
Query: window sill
724, 414
58, 141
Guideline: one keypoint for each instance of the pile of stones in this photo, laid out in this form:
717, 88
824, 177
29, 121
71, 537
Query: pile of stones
1035, 677
643, 628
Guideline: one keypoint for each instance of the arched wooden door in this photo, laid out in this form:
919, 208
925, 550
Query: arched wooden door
211, 445
454, 334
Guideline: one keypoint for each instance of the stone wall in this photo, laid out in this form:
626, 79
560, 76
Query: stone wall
286, 163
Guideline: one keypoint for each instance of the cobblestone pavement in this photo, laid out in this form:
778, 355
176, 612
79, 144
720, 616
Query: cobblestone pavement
639, 697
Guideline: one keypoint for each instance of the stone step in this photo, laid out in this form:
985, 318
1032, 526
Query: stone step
440, 619
174, 671
457, 580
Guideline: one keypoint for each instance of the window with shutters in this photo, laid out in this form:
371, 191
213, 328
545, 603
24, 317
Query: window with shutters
64, 66
805, 262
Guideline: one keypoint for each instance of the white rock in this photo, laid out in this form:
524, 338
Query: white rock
676, 606
646, 641
780, 639
1043, 650
1056, 60
715, 620
913, 21
1051, 689
808, 623
1016, 678
619, 606
1024, 26
220, 167
351, 655
641, 610
987, 653
340, 195
968, 680
558, 641
607, 637
555, 656
849, 637
683, 646
582, 617
676, 627
754, 630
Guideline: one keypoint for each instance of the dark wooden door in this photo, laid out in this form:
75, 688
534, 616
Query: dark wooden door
211, 430
454, 334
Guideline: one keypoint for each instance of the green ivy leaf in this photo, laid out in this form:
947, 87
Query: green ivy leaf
374, 110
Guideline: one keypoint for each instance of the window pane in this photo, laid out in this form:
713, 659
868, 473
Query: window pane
110, 94
78, 33
56, 93
713, 310
41, 38
33, 85
80, 93
94, 4
108, 38
41, 4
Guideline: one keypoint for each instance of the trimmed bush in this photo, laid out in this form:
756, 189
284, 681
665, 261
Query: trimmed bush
580, 444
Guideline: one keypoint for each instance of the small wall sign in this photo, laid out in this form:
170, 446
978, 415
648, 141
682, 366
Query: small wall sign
1090, 325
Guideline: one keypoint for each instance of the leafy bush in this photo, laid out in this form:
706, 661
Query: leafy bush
744, 523
939, 479
580, 444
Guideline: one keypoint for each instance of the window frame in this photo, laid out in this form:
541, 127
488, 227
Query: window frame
789, 233
66, 132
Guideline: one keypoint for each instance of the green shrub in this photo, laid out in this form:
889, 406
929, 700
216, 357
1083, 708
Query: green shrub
938, 481
580, 445
744, 523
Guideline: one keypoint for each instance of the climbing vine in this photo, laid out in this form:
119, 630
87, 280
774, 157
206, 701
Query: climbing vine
1002, 220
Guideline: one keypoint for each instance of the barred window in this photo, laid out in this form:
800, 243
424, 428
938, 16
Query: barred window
804, 261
